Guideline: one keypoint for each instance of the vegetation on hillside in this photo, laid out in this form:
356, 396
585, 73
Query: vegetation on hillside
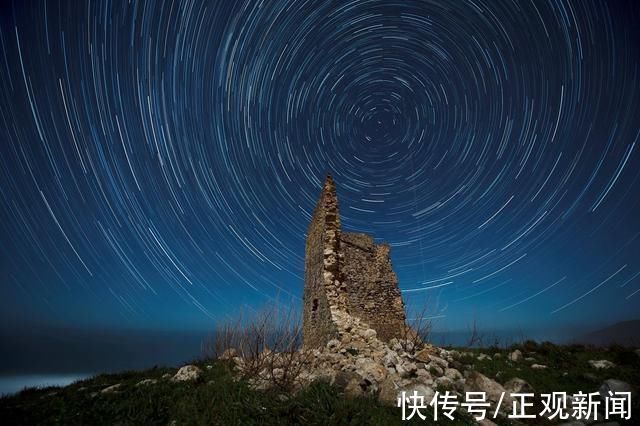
218, 398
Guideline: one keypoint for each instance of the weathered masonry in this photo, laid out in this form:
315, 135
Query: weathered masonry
349, 273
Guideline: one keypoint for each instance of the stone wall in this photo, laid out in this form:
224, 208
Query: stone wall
346, 274
321, 267
372, 286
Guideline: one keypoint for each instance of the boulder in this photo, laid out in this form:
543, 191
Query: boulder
187, 373
371, 370
390, 359
515, 356
424, 376
601, 364
614, 386
333, 344
439, 361
425, 391
444, 383
355, 388
435, 369
369, 334
517, 385
343, 378
483, 357
425, 354
538, 366
388, 391
453, 374
476, 382
111, 389
228, 353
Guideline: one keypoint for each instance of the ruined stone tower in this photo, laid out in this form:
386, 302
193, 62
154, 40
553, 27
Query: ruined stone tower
346, 273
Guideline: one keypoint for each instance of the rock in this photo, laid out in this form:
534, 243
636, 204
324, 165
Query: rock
333, 344
439, 361
530, 359
111, 389
147, 382
453, 374
342, 379
614, 386
277, 373
515, 356
229, 353
408, 345
369, 334
209, 367
517, 385
601, 364
370, 370
166, 375
497, 355
410, 368
435, 369
483, 357
388, 392
538, 366
187, 373
424, 376
444, 383
425, 391
355, 388
395, 345
476, 382
424, 355
459, 385
390, 359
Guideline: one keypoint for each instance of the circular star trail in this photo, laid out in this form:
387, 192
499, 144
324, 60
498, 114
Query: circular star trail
160, 159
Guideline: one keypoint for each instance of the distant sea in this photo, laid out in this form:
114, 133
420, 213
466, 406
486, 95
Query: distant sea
40, 358
12, 384
56, 357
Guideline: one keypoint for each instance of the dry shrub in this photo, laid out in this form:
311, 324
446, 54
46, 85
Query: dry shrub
266, 344
418, 331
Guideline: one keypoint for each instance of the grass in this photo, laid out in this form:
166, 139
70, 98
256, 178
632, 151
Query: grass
568, 368
215, 400
218, 399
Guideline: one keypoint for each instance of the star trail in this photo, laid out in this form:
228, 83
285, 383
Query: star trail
160, 160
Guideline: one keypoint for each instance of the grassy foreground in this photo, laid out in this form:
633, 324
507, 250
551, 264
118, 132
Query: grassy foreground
215, 400
219, 400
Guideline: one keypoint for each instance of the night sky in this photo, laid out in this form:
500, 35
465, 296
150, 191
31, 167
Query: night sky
160, 160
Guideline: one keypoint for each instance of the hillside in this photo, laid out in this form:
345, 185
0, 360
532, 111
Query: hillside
625, 333
151, 397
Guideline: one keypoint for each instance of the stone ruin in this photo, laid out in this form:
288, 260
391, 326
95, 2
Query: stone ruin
347, 273
355, 335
